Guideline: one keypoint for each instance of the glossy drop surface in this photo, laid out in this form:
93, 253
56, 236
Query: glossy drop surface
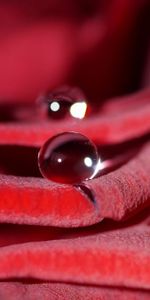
68, 158
64, 102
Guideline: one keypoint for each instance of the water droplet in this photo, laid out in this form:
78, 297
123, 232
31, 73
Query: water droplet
69, 157
63, 102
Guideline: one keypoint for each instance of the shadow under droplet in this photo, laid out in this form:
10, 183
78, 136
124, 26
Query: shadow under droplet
86, 191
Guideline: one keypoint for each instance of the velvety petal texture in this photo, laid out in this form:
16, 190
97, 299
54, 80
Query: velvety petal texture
92, 240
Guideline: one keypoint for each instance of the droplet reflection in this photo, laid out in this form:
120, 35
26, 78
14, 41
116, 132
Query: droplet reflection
78, 110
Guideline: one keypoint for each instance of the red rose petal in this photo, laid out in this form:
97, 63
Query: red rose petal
62, 291
113, 127
45, 203
118, 258
113, 66
121, 257
126, 103
38, 201
91, 37
126, 190
36, 57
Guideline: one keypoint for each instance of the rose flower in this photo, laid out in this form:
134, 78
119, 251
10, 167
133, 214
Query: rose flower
68, 230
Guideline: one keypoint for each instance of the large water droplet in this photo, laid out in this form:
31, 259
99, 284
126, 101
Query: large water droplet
69, 157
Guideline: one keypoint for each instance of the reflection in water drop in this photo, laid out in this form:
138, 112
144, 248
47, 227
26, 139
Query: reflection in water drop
54, 106
78, 110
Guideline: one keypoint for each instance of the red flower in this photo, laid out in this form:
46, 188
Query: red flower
52, 235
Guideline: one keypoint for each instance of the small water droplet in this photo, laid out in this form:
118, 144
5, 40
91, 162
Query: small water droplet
63, 102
